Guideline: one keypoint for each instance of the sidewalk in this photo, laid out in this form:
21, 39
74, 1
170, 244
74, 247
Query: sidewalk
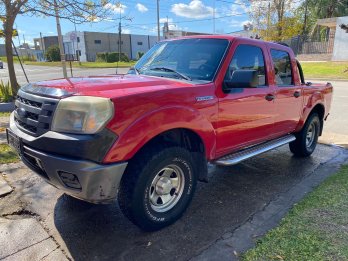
22, 237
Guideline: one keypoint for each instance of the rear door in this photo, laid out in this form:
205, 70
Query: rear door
245, 116
288, 92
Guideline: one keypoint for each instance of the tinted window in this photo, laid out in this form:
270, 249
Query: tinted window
282, 68
248, 57
198, 59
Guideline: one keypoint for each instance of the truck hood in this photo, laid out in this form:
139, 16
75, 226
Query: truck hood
110, 86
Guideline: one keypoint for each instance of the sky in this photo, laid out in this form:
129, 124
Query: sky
188, 15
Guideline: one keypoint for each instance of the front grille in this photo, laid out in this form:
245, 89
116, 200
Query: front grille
33, 114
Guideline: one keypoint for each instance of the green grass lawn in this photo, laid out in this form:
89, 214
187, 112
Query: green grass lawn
7, 155
77, 64
325, 70
86, 64
315, 229
5, 114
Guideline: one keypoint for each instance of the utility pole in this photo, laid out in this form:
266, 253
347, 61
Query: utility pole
305, 19
268, 18
42, 46
158, 23
119, 36
60, 40
214, 17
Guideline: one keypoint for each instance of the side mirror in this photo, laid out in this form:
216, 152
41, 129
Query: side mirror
242, 79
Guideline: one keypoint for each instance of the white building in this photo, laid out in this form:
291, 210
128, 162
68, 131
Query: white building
340, 50
88, 44
74, 43
141, 43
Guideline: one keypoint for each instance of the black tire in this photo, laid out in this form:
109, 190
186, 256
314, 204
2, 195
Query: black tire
137, 189
302, 147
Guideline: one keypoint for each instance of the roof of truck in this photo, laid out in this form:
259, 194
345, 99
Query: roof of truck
232, 38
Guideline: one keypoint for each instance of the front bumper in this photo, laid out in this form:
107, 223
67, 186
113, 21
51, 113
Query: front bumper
85, 180
80, 178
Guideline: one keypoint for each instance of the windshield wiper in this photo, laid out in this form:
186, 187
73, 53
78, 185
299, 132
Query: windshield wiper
183, 76
137, 72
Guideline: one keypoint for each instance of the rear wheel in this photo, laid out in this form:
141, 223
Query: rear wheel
157, 187
307, 138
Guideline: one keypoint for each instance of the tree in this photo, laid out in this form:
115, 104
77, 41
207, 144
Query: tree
320, 9
53, 53
328, 8
77, 11
275, 20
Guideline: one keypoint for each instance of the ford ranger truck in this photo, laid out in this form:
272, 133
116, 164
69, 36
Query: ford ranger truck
145, 138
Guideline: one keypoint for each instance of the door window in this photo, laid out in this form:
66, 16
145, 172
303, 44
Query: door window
282, 68
248, 57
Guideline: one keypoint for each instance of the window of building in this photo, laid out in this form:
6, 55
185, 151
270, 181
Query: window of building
282, 68
140, 43
78, 39
248, 57
78, 52
118, 42
97, 41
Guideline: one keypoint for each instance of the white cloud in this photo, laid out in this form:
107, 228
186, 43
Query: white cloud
126, 31
238, 8
195, 9
174, 27
116, 8
141, 8
246, 22
235, 23
163, 20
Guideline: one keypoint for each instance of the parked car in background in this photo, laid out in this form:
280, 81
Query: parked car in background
145, 138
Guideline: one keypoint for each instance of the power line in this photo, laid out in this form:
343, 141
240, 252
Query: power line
195, 20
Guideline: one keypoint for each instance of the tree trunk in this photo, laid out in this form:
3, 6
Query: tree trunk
9, 55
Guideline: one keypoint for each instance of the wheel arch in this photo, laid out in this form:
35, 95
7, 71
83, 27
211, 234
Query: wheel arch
319, 108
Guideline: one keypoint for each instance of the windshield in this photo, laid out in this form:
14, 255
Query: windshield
187, 59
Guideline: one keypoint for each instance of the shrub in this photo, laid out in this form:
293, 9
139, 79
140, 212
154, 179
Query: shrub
5, 92
140, 54
53, 53
111, 57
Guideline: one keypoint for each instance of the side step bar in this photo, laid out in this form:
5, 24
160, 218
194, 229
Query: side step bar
247, 153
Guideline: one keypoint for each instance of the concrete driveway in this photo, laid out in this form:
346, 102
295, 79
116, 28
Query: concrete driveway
237, 196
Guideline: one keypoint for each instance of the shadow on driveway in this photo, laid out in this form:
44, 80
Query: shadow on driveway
232, 196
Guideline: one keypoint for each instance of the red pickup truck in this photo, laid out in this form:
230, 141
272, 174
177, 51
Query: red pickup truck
145, 137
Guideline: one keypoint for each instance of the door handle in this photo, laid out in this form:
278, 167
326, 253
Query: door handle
297, 94
269, 97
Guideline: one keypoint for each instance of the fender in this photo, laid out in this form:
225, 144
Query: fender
309, 103
155, 122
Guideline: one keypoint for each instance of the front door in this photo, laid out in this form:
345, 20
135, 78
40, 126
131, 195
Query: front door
246, 115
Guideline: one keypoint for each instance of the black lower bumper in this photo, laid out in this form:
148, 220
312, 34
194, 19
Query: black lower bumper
81, 178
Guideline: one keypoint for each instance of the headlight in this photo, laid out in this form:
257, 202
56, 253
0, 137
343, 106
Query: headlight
82, 114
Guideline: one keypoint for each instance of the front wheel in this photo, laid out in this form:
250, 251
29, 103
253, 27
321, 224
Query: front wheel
157, 187
307, 138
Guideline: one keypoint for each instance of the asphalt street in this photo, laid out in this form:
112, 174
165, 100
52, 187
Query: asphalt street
38, 73
227, 215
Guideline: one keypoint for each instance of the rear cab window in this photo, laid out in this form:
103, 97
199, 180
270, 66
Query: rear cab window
248, 57
282, 68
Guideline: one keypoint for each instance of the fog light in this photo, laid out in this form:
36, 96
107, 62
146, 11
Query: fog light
70, 180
